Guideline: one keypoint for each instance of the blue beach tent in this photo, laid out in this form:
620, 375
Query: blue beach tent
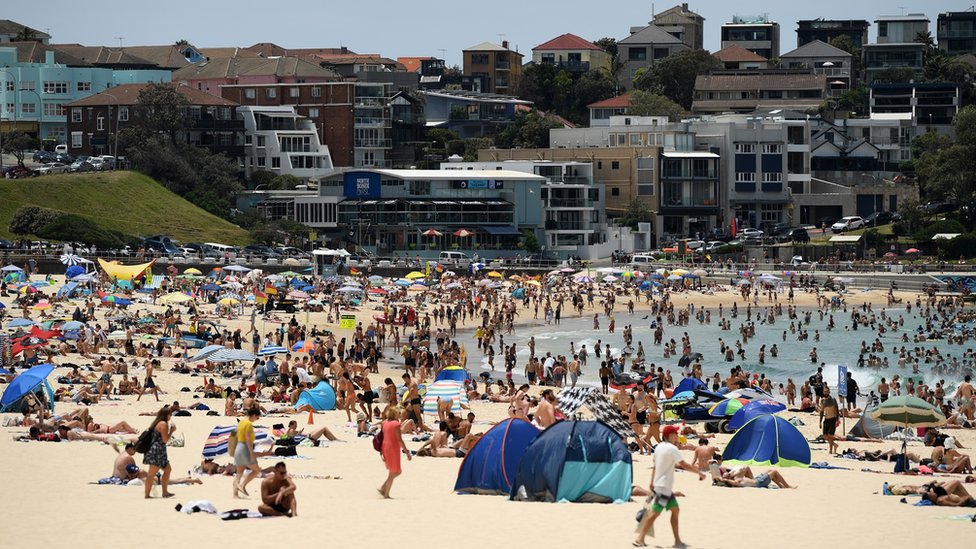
768, 440
579, 461
690, 384
489, 467
321, 397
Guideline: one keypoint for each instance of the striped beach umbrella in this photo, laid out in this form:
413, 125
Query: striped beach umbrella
271, 350
727, 407
445, 389
907, 411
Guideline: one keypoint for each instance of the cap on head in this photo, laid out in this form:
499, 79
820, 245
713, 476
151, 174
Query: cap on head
670, 430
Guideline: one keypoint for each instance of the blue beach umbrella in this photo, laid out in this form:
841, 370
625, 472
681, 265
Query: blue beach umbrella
20, 322
24, 384
754, 409
271, 350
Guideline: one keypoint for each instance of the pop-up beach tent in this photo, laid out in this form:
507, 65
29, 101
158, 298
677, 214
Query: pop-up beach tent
867, 427
445, 389
321, 397
579, 461
489, 467
768, 440
27, 382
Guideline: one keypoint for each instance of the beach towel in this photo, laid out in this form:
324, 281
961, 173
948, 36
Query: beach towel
196, 507
825, 465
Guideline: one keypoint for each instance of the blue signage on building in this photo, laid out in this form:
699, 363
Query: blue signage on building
361, 185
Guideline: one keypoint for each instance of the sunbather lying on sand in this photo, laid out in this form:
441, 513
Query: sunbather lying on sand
745, 478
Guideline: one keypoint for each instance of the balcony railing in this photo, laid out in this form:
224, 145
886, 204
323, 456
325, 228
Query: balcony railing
574, 66
568, 203
372, 122
374, 143
679, 202
502, 65
370, 102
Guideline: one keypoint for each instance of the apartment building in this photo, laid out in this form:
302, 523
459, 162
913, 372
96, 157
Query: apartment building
956, 32
572, 54
822, 58
825, 30
745, 91
756, 34
500, 66
683, 24
644, 47
279, 140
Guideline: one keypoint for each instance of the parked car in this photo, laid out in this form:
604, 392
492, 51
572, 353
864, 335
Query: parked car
108, 162
162, 244
778, 229
939, 207
714, 245
848, 223
52, 168
798, 235
43, 157
879, 218
290, 251
751, 232
6, 244
257, 250
15, 172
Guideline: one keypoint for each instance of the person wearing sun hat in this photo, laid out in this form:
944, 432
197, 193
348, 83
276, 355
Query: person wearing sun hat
667, 458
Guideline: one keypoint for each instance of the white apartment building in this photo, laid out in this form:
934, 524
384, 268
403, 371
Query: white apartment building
279, 140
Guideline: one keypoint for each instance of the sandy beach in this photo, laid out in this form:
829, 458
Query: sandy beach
54, 501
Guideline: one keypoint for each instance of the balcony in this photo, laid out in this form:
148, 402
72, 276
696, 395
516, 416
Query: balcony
681, 202
568, 203
373, 143
213, 124
370, 102
568, 226
574, 66
372, 122
233, 151
502, 65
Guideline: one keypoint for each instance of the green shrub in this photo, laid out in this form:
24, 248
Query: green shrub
55, 225
926, 233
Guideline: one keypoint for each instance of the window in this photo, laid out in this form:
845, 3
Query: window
10, 107
275, 161
76, 140
28, 108
84, 86
249, 93
615, 165
635, 140
270, 93
313, 113
745, 148
772, 177
76, 115
27, 85
261, 162
260, 141
316, 91
614, 191
55, 87
599, 164
10, 85
293, 92
549, 58
745, 177
479, 58
661, 53
637, 54
123, 114
772, 148
57, 133
100, 123
53, 109
882, 29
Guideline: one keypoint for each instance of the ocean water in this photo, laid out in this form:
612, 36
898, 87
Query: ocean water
838, 346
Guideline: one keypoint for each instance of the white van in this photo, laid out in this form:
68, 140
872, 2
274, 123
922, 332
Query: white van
458, 259
642, 260
61, 149
220, 250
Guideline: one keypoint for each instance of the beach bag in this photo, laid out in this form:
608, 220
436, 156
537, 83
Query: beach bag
144, 442
378, 442
286, 451
232, 443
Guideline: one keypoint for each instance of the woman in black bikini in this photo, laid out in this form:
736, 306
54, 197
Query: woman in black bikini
636, 417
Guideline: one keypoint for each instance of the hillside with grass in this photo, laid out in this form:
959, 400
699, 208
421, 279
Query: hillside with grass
123, 201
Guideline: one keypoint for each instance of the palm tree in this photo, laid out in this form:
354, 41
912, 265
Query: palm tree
925, 37
26, 34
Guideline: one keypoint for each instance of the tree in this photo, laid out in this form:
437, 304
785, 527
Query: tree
26, 34
608, 45
637, 212
261, 177
644, 103
16, 143
161, 109
946, 167
530, 242
616, 66
285, 181
674, 76
846, 43
529, 131
182, 42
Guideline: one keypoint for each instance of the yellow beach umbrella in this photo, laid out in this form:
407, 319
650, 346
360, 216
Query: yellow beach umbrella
192, 271
175, 297
515, 277
229, 301
533, 282
414, 275
495, 274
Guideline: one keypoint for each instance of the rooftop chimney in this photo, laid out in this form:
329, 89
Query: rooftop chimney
49, 57
505, 44
684, 6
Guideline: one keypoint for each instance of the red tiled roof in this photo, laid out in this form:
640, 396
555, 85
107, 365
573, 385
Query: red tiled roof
128, 94
567, 42
737, 54
619, 102
412, 64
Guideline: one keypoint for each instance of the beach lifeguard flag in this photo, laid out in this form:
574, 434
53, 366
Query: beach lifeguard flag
270, 289
353, 271
440, 268
260, 297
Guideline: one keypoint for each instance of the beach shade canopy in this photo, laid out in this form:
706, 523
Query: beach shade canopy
175, 297
445, 389
453, 373
463, 233
11, 269
489, 468
216, 444
272, 350
768, 440
866, 427
305, 345
577, 461
28, 382
432, 232
236, 268
907, 411
690, 384
117, 271
321, 397
571, 399
727, 407
20, 322
207, 352
754, 408
913, 251
232, 355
